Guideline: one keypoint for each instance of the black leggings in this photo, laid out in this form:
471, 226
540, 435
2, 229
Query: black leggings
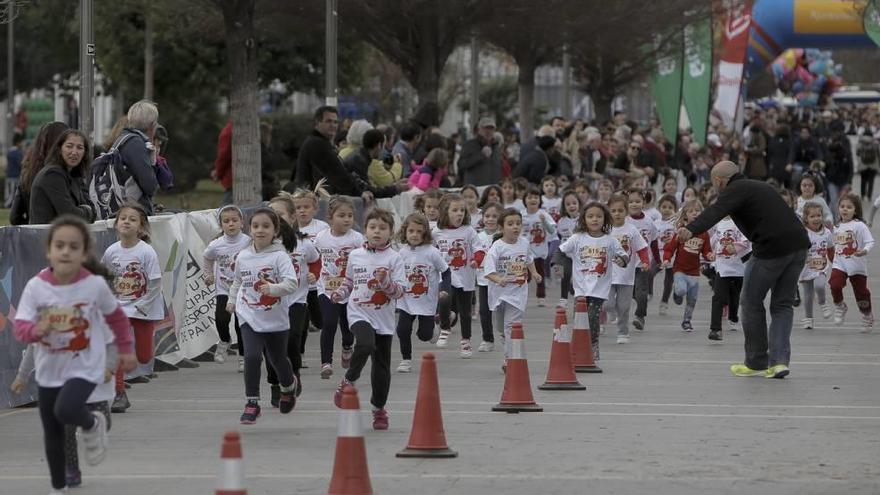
485, 314
640, 291
71, 454
369, 344
314, 314
275, 346
404, 330
667, 285
594, 311
725, 292
333, 314
222, 318
565, 286
868, 183
60, 406
461, 300
297, 315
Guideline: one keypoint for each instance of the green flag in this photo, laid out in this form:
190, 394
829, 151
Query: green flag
666, 90
872, 21
697, 80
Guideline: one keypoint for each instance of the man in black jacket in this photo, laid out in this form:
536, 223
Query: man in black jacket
779, 249
318, 159
534, 165
358, 163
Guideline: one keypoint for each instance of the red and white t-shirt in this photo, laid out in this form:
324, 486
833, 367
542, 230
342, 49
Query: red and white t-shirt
263, 312
537, 229
134, 268
304, 254
821, 250
665, 232
457, 248
481, 249
632, 242
565, 227
222, 251
729, 246
850, 237
511, 262
553, 206
312, 230
423, 266
368, 271
334, 252
592, 259
645, 226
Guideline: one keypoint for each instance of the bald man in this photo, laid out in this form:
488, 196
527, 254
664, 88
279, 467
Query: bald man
779, 249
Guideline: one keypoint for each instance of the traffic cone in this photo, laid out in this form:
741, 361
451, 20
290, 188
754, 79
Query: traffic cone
581, 341
231, 478
517, 394
427, 438
350, 473
560, 373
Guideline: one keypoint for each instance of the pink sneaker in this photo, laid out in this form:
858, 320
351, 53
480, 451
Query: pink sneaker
380, 419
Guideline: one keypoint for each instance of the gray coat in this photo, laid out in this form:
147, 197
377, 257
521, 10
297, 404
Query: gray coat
478, 169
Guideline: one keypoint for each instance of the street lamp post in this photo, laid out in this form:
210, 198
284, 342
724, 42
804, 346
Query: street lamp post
86, 68
331, 91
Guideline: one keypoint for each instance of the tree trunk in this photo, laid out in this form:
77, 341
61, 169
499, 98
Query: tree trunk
526, 81
601, 106
238, 17
149, 67
427, 81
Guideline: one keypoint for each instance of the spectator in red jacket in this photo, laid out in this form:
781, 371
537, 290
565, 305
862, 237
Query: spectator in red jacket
223, 163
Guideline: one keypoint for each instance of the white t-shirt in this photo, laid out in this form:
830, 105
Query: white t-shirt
537, 228
850, 237
457, 248
134, 268
476, 220
264, 313
366, 302
334, 257
645, 226
592, 258
423, 267
481, 249
510, 261
653, 213
821, 243
312, 230
632, 242
665, 232
729, 246
516, 205
553, 206
300, 257
222, 251
76, 345
105, 391
565, 227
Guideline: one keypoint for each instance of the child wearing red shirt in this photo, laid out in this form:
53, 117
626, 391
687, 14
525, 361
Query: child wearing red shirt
686, 268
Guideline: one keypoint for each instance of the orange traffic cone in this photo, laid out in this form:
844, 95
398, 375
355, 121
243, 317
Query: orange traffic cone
560, 373
350, 473
517, 394
427, 438
581, 341
231, 478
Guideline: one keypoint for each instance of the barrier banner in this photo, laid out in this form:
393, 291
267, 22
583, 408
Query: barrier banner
697, 80
666, 91
731, 48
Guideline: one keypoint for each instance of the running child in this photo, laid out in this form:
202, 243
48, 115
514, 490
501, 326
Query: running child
668, 206
686, 268
538, 228
815, 273
643, 223
263, 277
729, 246
333, 245
810, 190
604, 191
424, 269
491, 212
219, 261
509, 198
550, 200
507, 267
59, 311
492, 194
306, 205
472, 198
852, 242
428, 204
571, 207
623, 278
137, 285
375, 280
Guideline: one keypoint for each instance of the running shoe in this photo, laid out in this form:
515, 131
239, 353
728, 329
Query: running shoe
120, 403
778, 371
714, 334
443, 339
826, 311
677, 298
623, 339
465, 350
95, 440
664, 309
686, 326
251, 413
326, 371
405, 366
380, 419
73, 477
287, 401
220, 352
486, 346
542, 303
733, 326
867, 322
345, 361
839, 313
807, 323
743, 370
638, 323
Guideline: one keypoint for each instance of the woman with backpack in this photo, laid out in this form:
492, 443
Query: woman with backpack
58, 188
868, 152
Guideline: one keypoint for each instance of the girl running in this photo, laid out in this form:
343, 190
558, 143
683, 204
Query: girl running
815, 273
852, 242
306, 205
333, 245
428, 204
686, 268
60, 310
571, 207
604, 191
424, 267
508, 195
263, 277
472, 198
667, 206
623, 278
538, 228
491, 212
375, 280
219, 261
638, 219
729, 246
550, 201
810, 190
137, 284
455, 238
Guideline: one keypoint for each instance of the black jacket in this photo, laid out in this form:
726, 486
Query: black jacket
839, 162
137, 155
54, 193
533, 166
318, 159
761, 215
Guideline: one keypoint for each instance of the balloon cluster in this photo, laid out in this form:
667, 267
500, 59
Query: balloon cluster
809, 75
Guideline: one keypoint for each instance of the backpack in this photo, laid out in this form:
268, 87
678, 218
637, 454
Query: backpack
107, 187
868, 153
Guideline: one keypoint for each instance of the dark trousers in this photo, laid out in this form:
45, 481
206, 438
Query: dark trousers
404, 330
725, 292
779, 277
333, 315
541, 287
71, 454
859, 285
314, 313
640, 291
274, 344
667, 285
485, 314
461, 301
222, 318
565, 286
594, 312
370, 345
868, 183
60, 406
297, 315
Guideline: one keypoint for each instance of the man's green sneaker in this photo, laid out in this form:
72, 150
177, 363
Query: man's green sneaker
778, 371
743, 370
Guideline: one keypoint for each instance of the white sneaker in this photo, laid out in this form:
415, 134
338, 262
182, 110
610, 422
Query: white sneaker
807, 323
867, 322
95, 440
241, 365
465, 350
405, 366
622, 339
542, 303
839, 313
486, 347
602, 330
220, 352
563, 303
612, 320
443, 339
733, 326
664, 309
826, 311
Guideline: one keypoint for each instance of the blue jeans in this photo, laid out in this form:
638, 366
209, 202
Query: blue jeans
686, 285
779, 276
